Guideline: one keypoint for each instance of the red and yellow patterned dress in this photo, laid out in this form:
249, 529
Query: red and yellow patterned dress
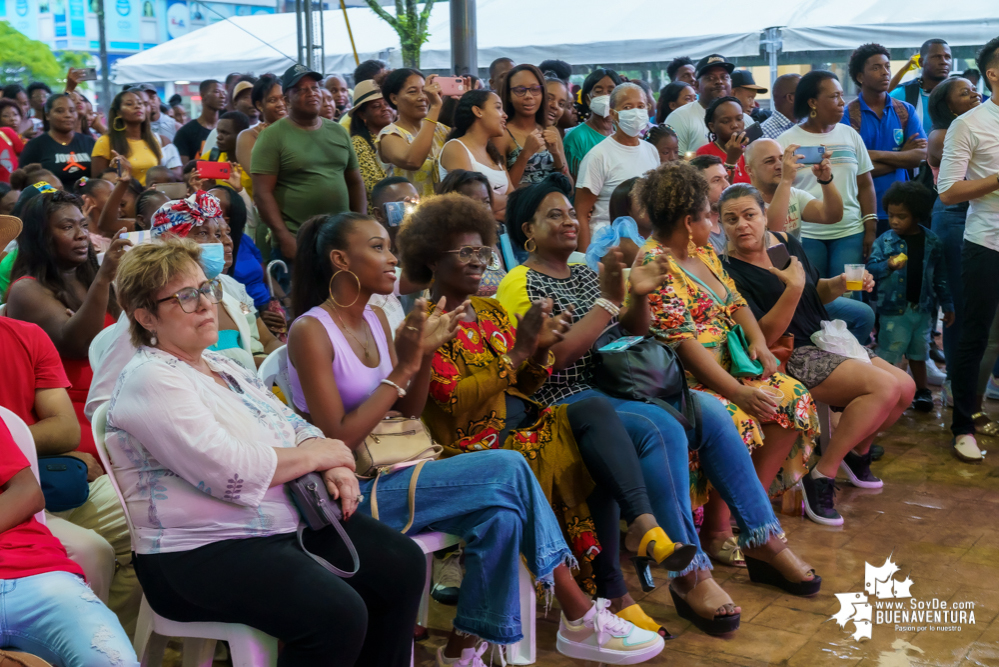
469, 382
683, 310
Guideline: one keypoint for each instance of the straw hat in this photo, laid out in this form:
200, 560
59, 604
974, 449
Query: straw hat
10, 228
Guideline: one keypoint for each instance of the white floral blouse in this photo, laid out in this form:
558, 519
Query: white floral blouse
194, 459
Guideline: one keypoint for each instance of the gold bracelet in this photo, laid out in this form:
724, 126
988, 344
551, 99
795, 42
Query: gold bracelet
431, 120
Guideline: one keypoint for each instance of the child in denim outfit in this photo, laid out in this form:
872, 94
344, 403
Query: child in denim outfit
907, 261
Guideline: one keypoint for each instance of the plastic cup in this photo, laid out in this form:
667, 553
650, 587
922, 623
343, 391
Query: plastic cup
854, 277
773, 394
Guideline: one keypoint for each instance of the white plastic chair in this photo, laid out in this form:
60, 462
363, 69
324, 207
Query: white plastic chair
523, 652
274, 371
99, 345
249, 647
22, 436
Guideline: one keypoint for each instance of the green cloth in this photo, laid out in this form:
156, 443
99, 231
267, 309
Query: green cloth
309, 166
6, 267
578, 143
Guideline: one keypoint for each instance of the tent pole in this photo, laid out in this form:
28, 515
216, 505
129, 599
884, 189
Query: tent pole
464, 50
346, 19
772, 41
298, 32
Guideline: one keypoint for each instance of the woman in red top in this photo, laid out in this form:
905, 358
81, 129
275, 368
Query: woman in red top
10, 148
726, 129
58, 285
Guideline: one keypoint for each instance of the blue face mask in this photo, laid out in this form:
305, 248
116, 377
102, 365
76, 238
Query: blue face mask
212, 259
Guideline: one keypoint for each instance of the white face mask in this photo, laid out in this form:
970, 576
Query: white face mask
632, 121
600, 105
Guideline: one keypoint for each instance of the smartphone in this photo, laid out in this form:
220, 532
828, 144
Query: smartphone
622, 343
779, 256
217, 170
754, 132
812, 154
395, 211
89, 74
451, 85
172, 190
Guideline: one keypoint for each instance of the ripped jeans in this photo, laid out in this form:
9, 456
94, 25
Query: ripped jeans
58, 618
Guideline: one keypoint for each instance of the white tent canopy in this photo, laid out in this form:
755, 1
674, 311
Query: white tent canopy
579, 32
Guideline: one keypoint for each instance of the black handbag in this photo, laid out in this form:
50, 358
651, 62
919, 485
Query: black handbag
646, 371
63, 481
319, 510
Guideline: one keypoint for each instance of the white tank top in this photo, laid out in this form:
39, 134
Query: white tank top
498, 180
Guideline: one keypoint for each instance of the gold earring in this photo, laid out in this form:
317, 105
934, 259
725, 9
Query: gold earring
528, 247
358, 289
813, 114
114, 124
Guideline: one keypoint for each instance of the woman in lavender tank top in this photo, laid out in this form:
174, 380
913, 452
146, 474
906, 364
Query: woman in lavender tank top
347, 375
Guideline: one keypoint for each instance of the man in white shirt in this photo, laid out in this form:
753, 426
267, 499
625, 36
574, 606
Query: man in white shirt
714, 80
969, 171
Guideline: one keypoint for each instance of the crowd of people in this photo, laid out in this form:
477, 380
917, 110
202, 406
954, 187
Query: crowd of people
479, 262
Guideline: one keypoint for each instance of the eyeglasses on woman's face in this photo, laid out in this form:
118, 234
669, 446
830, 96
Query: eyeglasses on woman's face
189, 297
520, 91
483, 253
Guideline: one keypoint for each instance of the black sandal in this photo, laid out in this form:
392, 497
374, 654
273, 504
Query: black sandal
708, 599
781, 566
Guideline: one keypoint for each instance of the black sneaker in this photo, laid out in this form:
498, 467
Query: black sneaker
876, 452
858, 471
923, 401
446, 576
820, 497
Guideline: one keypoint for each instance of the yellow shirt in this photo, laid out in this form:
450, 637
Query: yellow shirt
139, 156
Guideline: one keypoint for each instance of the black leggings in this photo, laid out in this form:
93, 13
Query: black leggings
270, 584
612, 462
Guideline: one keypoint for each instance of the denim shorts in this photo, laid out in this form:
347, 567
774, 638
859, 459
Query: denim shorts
904, 335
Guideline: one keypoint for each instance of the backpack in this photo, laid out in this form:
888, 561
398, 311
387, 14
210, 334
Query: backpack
853, 111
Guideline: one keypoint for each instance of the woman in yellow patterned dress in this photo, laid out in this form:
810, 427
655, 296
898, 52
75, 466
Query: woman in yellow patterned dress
480, 384
370, 115
694, 312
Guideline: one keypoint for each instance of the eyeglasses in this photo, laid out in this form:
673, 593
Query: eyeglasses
483, 253
189, 297
520, 91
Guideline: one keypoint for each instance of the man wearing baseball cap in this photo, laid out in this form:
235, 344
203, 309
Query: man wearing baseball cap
303, 165
745, 89
714, 80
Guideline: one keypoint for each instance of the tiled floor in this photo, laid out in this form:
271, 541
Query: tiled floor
936, 517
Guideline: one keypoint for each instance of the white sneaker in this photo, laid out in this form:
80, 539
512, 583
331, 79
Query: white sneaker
600, 636
992, 388
934, 376
947, 395
470, 657
966, 448
446, 578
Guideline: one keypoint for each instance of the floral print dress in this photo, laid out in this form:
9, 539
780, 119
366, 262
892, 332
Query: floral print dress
682, 309
470, 379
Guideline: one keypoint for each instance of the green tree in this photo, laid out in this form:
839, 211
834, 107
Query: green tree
23, 59
410, 23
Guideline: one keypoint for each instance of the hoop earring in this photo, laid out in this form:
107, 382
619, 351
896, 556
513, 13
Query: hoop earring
114, 125
813, 114
338, 305
528, 245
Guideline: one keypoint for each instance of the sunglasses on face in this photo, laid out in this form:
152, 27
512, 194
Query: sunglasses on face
520, 91
483, 253
189, 297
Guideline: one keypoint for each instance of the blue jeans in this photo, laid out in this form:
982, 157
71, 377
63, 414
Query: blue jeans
662, 445
859, 317
829, 256
948, 224
58, 618
494, 503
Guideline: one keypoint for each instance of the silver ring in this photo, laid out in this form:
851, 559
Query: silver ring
412, 329
360, 499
